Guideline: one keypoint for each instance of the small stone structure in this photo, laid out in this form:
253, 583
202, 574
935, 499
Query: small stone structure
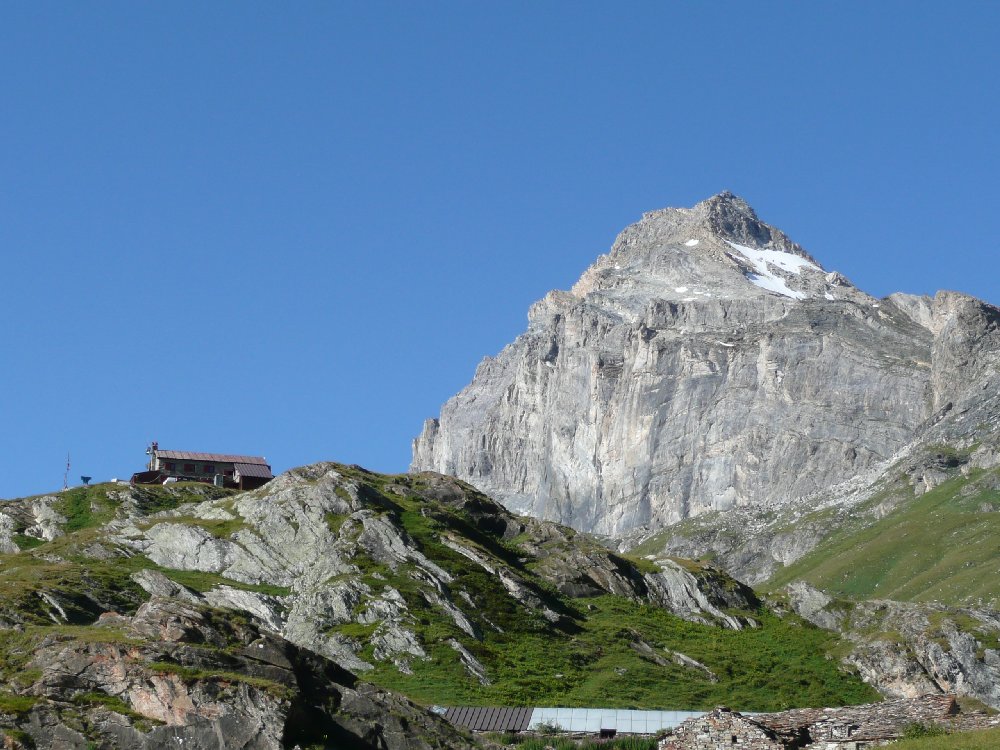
845, 728
720, 729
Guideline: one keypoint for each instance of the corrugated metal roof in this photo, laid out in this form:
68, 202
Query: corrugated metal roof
217, 457
489, 718
253, 470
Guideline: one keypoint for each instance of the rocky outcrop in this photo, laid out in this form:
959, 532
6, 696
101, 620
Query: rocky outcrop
30, 519
177, 674
707, 364
908, 649
26, 522
699, 593
813, 605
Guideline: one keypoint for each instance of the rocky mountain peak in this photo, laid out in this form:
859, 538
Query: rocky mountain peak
707, 362
718, 249
726, 217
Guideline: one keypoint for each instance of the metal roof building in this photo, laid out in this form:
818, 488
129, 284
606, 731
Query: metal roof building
580, 720
226, 469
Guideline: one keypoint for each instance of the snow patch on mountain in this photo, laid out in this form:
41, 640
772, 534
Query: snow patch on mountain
767, 279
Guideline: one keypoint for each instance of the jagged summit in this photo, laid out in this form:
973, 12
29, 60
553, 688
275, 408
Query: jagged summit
721, 205
730, 217
717, 249
727, 215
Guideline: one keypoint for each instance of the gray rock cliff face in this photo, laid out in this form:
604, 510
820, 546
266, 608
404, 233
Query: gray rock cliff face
707, 363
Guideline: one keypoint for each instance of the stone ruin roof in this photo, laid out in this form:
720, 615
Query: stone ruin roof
869, 722
803, 728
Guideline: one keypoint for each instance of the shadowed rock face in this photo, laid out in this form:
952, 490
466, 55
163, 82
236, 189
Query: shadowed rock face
180, 675
706, 363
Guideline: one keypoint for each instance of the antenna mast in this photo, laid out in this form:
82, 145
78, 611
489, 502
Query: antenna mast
66, 475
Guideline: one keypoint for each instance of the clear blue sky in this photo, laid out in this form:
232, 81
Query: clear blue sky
294, 229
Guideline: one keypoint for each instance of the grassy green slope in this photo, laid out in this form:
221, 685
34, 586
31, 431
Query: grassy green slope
784, 663
588, 660
942, 546
987, 739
